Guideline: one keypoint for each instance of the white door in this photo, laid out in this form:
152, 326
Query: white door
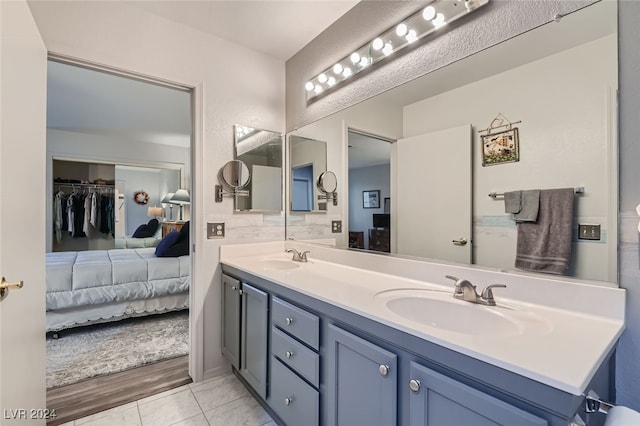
23, 81
433, 210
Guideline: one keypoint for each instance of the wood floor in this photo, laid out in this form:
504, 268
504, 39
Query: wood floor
94, 395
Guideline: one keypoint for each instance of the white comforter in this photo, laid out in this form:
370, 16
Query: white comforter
102, 276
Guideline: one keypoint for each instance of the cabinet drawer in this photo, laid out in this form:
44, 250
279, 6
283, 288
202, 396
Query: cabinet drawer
297, 322
292, 398
296, 355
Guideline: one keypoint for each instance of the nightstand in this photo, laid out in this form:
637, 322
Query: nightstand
171, 226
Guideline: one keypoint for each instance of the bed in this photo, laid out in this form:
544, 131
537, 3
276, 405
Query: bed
95, 286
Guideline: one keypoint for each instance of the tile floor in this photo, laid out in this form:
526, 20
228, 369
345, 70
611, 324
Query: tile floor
222, 401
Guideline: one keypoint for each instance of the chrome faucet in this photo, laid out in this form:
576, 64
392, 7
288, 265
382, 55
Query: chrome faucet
466, 291
297, 256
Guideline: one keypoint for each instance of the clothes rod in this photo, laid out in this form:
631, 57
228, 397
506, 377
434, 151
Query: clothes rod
577, 190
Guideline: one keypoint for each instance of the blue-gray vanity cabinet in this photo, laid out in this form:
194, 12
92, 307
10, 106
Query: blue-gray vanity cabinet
361, 381
294, 400
254, 335
231, 289
438, 400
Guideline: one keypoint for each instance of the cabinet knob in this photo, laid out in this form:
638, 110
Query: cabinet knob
288, 400
288, 354
414, 385
288, 321
240, 292
234, 288
383, 369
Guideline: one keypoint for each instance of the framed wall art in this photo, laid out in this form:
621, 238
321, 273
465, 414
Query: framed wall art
371, 199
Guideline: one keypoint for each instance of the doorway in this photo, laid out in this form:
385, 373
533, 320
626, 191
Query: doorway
144, 129
369, 162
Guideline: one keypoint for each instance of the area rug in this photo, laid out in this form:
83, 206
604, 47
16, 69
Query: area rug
102, 349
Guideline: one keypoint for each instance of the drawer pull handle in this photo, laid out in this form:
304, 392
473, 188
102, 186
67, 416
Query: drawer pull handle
414, 385
383, 369
288, 354
288, 321
288, 400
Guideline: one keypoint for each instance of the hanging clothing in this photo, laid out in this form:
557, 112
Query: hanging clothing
70, 214
58, 215
94, 210
105, 213
78, 216
86, 226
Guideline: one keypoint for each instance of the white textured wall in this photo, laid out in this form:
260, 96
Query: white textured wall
233, 85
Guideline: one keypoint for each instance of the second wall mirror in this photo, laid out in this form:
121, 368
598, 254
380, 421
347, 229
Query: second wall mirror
261, 151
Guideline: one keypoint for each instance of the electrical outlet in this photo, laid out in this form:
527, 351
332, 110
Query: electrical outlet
336, 226
588, 232
215, 230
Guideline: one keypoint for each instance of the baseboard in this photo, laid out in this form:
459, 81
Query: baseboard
217, 372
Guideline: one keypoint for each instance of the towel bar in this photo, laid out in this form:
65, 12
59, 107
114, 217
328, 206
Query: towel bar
577, 190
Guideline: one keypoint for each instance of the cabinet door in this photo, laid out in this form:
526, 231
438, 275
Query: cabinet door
362, 381
437, 400
231, 320
255, 305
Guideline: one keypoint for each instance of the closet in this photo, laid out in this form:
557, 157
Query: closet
84, 206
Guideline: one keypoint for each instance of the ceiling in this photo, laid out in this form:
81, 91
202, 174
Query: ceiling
82, 100
277, 28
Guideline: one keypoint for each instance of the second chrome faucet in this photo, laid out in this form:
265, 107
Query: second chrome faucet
466, 291
297, 256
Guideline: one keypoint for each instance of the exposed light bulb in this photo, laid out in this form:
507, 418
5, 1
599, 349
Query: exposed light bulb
355, 57
331, 81
322, 78
401, 30
377, 44
411, 36
364, 61
318, 89
439, 21
347, 72
429, 13
387, 49
337, 68
308, 86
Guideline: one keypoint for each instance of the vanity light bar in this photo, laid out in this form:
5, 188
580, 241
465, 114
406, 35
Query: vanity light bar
434, 17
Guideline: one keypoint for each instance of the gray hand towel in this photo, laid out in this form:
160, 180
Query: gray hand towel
530, 206
545, 245
513, 202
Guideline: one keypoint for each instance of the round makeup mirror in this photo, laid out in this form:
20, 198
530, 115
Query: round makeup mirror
235, 174
327, 182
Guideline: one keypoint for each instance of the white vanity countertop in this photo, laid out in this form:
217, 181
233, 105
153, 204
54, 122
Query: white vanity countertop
568, 327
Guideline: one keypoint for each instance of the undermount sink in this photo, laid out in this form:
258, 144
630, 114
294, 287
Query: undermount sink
442, 311
278, 264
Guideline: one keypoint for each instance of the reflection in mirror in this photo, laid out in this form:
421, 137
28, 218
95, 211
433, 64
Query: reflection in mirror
327, 184
545, 78
235, 174
261, 151
308, 159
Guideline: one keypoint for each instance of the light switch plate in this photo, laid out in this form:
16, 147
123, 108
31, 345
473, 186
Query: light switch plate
588, 232
215, 230
336, 226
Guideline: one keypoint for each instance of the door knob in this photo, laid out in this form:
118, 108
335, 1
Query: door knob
5, 286
460, 241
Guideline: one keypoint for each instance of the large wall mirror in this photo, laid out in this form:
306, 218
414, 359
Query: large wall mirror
559, 82
261, 151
